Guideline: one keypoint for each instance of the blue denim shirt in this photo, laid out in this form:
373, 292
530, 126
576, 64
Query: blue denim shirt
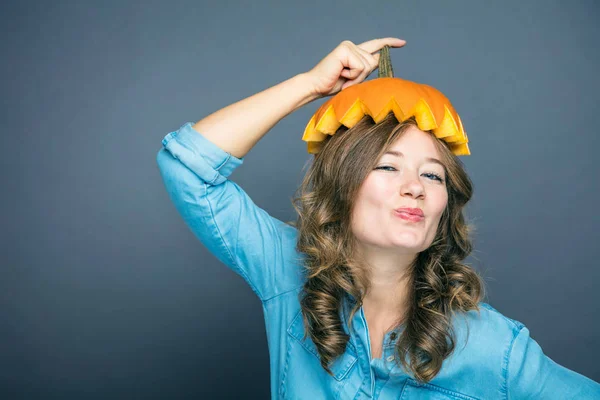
500, 360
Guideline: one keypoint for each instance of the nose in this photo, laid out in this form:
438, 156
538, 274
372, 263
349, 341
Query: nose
411, 185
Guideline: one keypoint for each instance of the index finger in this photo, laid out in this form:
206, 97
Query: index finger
377, 44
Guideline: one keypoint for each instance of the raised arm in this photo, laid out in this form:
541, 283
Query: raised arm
196, 161
239, 126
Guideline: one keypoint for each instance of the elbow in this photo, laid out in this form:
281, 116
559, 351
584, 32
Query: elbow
162, 157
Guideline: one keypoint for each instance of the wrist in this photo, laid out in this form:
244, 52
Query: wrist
307, 85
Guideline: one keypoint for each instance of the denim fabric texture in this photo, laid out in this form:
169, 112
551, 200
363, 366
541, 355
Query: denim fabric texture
495, 356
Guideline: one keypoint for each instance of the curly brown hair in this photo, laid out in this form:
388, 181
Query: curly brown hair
439, 283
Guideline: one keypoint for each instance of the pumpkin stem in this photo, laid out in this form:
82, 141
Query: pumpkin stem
385, 63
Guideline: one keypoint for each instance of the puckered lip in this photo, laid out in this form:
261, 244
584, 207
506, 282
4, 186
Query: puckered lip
413, 211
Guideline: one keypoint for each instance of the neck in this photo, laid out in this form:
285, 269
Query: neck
386, 300
389, 277
386, 303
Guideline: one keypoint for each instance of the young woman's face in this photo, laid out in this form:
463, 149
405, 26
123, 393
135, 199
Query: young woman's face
406, 181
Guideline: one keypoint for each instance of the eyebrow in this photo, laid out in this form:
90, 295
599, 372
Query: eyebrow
428, 159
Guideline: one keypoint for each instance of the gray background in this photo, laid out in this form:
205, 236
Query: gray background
105, 293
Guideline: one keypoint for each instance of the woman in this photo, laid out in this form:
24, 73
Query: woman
365, 296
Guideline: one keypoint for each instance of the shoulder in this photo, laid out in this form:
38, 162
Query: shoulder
494, 357
492, 316
484, 338
488, 326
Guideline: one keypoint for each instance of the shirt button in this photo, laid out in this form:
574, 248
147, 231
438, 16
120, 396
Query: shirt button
393, 336
390, 358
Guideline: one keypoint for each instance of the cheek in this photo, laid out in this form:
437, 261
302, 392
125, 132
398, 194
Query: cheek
436, 209
376, 192
381, 191
439, 201
439, 208
442, 206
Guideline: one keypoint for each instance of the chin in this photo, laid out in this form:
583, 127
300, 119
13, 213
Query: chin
410, 246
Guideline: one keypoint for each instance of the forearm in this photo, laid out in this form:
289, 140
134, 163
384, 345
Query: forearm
238, 127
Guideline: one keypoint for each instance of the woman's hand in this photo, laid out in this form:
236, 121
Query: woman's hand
347, 65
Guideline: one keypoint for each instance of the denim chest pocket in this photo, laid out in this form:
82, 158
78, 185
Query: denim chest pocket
415, 390
340, 367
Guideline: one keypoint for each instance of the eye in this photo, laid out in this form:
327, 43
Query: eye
385, 166
436, 177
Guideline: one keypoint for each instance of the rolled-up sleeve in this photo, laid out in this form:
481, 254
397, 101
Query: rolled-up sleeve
533, 375
243, 236
207, 160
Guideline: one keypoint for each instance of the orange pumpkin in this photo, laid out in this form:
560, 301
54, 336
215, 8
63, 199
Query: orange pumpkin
377, 97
